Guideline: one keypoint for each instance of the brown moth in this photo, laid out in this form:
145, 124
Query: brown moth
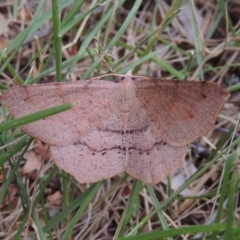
139, 126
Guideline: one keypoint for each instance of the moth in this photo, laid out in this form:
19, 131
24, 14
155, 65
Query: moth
141, 126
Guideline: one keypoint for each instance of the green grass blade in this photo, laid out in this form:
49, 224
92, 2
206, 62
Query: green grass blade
57, 37
82, 199
128, 211
156, 235
120, 32
35, 116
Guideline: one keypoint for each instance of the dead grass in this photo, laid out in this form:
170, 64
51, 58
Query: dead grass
39, 201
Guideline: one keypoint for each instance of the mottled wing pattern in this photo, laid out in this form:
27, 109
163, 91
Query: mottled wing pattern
98, 156
150, 158
67, 127
180, 111
139, 127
